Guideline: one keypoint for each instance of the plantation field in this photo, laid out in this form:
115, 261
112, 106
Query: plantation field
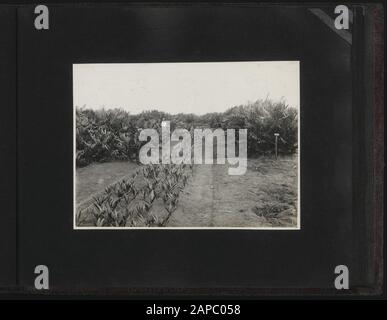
265, 196
97, 176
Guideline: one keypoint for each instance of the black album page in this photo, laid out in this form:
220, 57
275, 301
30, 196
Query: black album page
191, 149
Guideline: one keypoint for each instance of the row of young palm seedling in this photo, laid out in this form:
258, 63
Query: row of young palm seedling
129, 202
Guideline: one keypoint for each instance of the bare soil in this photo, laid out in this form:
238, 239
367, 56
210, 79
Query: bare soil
265, 196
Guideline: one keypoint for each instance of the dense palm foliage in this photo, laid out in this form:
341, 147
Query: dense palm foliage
106, 135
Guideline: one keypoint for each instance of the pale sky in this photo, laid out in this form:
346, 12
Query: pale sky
184, 87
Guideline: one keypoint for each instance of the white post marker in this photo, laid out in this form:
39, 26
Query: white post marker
276, 144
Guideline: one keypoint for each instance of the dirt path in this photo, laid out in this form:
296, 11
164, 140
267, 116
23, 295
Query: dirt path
213, 198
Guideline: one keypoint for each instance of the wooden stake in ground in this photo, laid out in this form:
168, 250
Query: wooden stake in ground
276, 144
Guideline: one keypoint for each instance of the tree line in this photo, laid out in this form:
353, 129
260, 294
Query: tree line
112, 134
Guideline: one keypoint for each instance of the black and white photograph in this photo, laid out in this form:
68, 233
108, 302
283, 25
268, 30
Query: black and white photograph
187, 145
